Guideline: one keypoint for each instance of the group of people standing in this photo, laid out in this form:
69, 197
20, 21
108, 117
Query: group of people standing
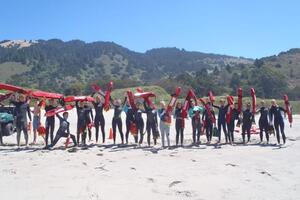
200, 119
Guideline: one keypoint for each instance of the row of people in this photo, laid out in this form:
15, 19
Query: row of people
201, 121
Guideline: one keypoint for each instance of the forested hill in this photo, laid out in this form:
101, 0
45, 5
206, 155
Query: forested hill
72, 66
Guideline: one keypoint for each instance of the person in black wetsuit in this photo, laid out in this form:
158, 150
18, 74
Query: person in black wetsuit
64, 129
99, 118
151, 123
234, 116
50, 121
82, 114
263, 121
117, 120
208, 123
179, 123
140, 121
196, 125
222, 119
248, 119
130, 118
21, 111
89, 118
275, 113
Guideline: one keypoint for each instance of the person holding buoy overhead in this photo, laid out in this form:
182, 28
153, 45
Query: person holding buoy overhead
64, 129
81, 122
151, 123
208, 123
222, 119
117, 120
140, 121
179, 123
231, 125
263, 121
130, 119
89, 119
164, 124
196, 123
36, 119
20, 112
247, 120
50, 122
276, 115
99, 118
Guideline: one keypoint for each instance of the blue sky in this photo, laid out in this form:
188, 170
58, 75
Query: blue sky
249, 28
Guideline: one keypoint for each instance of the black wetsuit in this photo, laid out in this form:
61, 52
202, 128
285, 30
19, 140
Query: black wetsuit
196, 125
208, 124
140, 124
99, 120
82, 115
263, 122
151, 123
21, 111
50, 125
248, 119
63, 131
234, 116
89, 118
275, 112
130, 118
222, 120
179, 125
117, 122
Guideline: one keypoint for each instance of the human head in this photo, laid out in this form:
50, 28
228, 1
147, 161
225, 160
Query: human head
179, 105
236, 105
273, 102
162, 104
222, 102
81, 103
22, 98
65, 115
118, 102
248, 105
98, 99
262, 103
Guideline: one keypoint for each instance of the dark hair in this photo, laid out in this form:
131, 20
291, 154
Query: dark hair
65, 113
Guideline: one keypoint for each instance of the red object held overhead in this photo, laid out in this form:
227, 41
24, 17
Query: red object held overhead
253, 100
211, 97
186, 104
107, 96
131, 100
4, 86
173, 100
79, 98
288, 109
58, 110
43, 94
240, 99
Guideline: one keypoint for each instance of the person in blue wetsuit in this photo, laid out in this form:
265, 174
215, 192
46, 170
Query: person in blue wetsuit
130, 119
275, 114
151, 123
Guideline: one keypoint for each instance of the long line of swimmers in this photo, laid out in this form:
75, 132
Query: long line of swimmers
200, 121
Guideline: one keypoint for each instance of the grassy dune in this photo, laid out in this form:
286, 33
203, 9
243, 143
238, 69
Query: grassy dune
161, 94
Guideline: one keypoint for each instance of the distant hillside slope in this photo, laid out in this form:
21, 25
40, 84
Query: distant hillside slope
76, 61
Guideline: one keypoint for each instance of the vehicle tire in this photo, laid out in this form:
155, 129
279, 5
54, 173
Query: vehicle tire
8, 129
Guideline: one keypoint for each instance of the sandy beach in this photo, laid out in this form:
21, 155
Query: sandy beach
253, 171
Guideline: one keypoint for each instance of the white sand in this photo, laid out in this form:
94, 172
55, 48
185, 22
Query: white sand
106, 172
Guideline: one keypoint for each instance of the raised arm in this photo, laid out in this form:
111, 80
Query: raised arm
28, 112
